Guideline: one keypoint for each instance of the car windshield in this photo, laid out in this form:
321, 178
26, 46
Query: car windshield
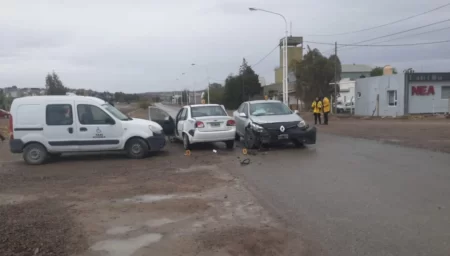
269, 109
208, 111
115, 112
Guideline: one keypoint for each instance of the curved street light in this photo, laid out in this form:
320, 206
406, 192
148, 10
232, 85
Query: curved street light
285, 65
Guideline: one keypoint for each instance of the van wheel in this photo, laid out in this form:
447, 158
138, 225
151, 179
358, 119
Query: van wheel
35, 154
186, 143
136, 148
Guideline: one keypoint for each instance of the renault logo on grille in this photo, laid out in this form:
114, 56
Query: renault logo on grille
282, 129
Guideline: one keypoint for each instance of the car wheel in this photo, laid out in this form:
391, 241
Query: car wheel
186, 143
237, 137
35, 154
230, 144
250, 140
136, 148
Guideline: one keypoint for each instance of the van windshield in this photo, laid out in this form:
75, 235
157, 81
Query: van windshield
116, 113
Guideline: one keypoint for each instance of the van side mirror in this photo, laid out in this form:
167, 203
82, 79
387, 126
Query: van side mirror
243, 115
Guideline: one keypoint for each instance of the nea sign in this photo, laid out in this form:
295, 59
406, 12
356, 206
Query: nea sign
422, 90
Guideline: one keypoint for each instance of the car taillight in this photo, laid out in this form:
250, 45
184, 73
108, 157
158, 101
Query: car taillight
199, 124
11, 133
231, 123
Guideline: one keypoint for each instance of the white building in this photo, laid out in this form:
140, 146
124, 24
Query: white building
402, 94
346, 91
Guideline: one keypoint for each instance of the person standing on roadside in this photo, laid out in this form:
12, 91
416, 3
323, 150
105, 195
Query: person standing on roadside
326, 109
317, 108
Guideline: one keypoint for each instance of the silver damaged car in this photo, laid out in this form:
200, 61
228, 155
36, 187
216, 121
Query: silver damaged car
269, 121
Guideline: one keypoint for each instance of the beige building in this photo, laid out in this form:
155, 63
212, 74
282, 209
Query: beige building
295, 52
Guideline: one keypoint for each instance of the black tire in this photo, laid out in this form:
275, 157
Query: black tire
35, 154
237, 137
250, 140
230, 144
186, 143
136, 148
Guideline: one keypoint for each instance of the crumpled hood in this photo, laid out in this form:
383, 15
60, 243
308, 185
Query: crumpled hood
142, 122
276, 119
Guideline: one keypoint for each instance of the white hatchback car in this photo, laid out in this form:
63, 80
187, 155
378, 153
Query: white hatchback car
197, 124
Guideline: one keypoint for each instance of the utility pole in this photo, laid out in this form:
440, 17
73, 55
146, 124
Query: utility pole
335, 77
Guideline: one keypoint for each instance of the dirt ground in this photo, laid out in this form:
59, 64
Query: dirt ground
167, 204
428, 133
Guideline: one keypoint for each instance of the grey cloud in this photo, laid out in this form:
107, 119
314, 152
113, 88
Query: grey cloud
146, 45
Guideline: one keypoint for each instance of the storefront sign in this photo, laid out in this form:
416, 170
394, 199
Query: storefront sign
422, 90
424, 77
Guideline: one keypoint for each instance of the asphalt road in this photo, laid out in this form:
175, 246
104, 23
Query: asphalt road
349, 196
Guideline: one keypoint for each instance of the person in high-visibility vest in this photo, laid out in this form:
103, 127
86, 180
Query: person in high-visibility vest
317, 108
326, 109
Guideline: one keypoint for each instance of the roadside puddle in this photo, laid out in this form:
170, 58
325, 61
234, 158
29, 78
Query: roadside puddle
117, 247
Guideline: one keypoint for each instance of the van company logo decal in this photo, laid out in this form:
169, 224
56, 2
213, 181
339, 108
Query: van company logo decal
98, 134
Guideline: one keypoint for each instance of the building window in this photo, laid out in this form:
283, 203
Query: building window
445, 93
392, 98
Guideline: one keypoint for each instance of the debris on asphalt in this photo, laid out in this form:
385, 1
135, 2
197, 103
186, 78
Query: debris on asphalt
246, 161
187, 153
215, 151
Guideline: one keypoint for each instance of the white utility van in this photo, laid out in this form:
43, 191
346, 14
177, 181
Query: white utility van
45, 126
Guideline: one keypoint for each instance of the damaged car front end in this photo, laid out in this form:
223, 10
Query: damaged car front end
297, 132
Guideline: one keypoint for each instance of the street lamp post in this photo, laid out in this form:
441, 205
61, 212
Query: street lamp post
285, 64
207, 77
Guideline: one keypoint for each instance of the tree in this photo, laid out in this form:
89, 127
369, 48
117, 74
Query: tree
53, 85
184, 96
242, 87
216, 90
378, 71
314, 75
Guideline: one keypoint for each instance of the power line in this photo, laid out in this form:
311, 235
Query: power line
267, 55
402, 37
387, 24
401, 32
381, 45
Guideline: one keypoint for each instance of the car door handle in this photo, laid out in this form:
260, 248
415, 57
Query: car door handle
83, 129
70, 129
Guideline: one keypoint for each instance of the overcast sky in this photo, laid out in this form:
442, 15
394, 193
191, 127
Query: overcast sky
145, 45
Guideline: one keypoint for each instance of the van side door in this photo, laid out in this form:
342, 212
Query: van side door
60, 127
97, 130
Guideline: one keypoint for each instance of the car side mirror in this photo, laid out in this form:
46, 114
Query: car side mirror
296, 112
109, 120
243, 115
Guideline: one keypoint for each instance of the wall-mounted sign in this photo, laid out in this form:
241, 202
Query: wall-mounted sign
424, 77
422, 90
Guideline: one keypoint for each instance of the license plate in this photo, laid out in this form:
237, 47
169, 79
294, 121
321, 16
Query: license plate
214, 124
283, 136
